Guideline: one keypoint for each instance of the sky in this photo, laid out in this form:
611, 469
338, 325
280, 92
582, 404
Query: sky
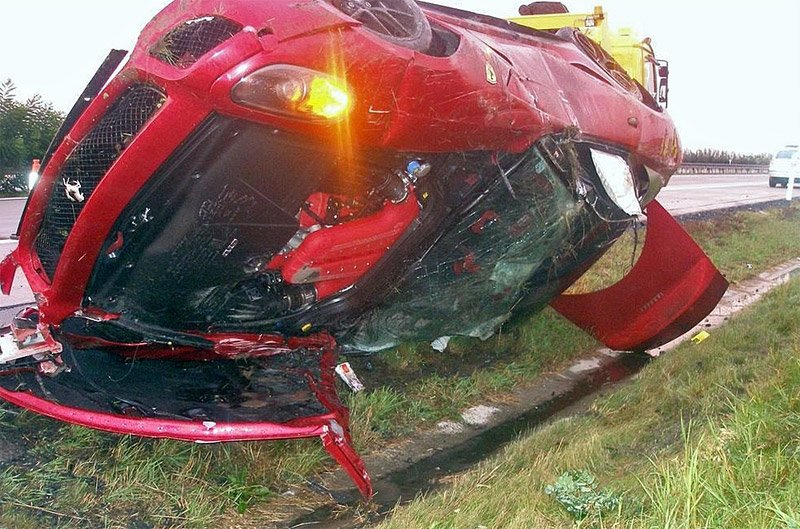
734, 64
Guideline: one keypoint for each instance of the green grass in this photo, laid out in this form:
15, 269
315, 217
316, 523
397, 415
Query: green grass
706, 437
744, 244
73, 477
83, 478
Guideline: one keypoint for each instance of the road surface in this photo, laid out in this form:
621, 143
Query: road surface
693, 193
10, 212
684, 194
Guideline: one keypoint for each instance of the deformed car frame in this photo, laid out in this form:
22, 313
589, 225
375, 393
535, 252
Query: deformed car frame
264, 182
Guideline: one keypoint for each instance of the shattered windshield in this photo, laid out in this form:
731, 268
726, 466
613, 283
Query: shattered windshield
506, 250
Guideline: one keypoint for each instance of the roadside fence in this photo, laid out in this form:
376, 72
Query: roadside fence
722, 168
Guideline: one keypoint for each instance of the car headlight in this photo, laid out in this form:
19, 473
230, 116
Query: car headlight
294, 91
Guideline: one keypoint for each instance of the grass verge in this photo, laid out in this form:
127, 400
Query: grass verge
704, 438
73, 477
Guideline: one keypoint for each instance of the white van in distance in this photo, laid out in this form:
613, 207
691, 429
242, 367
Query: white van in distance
785, 161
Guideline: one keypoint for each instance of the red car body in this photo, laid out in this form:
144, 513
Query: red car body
165, 215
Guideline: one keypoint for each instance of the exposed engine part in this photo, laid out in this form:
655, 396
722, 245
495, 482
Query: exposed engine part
295, 242
324, 209
395, 185
265, 296
417, 169
393, 188
27, 337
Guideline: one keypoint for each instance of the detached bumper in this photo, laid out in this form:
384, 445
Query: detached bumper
289, 395
673, 286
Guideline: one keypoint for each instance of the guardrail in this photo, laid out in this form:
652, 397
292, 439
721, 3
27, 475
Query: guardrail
722, 168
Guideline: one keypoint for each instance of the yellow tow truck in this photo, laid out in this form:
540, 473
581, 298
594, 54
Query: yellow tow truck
635, 55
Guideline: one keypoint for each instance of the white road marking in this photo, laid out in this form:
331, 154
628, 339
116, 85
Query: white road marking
712, 186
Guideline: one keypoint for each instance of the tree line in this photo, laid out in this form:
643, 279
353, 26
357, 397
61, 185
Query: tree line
720, 156
26, 129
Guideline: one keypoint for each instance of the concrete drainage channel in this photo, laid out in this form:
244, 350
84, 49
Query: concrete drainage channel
425, 463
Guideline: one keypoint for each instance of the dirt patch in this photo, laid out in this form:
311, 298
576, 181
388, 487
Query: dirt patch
11, 451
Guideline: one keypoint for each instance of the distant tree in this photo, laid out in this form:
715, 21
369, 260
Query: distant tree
720, 156
25, 129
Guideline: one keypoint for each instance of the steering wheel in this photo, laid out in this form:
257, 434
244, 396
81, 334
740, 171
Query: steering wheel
400, 22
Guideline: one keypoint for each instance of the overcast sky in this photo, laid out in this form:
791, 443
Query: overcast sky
735, 64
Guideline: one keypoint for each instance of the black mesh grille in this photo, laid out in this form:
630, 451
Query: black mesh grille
184, 45
87, 165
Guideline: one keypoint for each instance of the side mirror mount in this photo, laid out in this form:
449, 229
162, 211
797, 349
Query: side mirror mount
663, 92
663, 83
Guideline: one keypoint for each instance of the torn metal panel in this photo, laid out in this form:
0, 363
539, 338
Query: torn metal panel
8, 268
672, 287
288, 395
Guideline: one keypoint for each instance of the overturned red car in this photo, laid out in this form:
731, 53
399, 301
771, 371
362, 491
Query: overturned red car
264, 183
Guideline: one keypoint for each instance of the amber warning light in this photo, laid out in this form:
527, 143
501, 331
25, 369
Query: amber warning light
294, 91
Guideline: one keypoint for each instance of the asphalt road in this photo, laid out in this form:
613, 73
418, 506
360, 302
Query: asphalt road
684, 194
10, 212
694, 193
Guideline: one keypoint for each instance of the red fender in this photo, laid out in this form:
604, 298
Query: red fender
672, 287
8, 268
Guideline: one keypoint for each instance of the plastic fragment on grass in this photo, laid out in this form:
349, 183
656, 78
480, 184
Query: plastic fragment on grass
349, 377
700, 337
440, 344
